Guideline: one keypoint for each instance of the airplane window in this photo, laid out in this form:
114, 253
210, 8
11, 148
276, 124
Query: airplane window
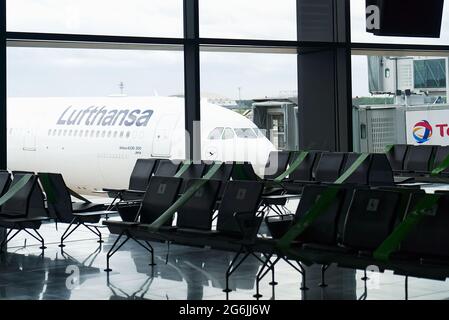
121, 134
228, 134
65, 133
75, 133
98, 134
81, 133
59, 132
92, 133
109, 133
49, 132
128, 134
103, 134
215, 134
115, 134
70, 133
246, 133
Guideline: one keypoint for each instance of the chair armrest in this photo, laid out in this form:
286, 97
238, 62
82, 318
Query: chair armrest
113, 190
138, 192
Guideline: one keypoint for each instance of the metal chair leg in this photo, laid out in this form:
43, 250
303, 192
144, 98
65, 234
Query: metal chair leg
149, 248
323, 283
66, 233
231, 269
112, 251
301, 270
6, 240
95, 231
38, 237
406, 287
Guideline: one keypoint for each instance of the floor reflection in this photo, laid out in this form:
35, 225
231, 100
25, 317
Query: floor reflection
188, 274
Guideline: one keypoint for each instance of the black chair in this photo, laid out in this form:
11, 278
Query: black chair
428, 242
61, 208
5, 181
441, 154
240, 197
370, 219
396, 156
224, 174
323, 230
305, 170
194, 171
244, 171
418, 159
24, 211
330, 166
167, 167
361, 174
380, 171
197, 213
161, 193
138, 181
277, 164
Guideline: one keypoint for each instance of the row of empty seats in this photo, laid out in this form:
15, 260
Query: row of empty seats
29, 207
420, 160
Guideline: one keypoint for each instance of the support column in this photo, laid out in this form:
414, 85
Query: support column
324, 76
3, 93
192, 89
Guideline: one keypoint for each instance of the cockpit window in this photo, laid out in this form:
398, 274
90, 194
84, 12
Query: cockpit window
228, 134
246, 133
215, 134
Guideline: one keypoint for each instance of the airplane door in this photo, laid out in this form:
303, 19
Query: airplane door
29, 140
162, 140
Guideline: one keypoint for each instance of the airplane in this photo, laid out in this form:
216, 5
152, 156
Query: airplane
95, 142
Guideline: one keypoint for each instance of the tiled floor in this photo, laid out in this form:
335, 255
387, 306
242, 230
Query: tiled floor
189, 273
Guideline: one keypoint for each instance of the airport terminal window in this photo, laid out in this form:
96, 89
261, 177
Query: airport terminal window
216, 134
150, 18
249, 19
93, 72
253, 86
414, 81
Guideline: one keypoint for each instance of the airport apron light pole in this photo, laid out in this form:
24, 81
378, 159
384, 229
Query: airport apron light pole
192, 89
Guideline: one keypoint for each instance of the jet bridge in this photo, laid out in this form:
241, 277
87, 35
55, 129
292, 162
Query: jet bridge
278, 119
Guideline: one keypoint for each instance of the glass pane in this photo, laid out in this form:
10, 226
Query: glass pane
216, 134
359, 34
391, 107
152, 18
90, 114
249, 19
253, 94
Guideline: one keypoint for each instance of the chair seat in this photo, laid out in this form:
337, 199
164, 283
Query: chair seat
25, 219
79, 207
120, 223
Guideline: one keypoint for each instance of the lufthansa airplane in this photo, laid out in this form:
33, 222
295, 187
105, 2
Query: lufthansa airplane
95, 142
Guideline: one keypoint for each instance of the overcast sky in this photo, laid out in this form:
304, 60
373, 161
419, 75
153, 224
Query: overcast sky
81, 72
